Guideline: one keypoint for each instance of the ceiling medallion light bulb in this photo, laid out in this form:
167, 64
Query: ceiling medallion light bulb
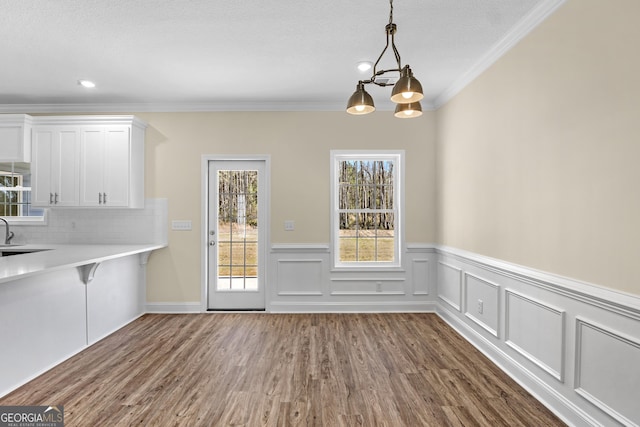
86, 83
364, 66
407, 91
408, 111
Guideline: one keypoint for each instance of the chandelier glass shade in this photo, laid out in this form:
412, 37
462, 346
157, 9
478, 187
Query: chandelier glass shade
407, 91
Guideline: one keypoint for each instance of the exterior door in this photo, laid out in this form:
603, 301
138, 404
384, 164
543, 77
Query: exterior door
237, 214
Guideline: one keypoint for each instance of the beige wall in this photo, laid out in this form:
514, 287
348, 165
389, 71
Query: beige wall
538, 158
299, 145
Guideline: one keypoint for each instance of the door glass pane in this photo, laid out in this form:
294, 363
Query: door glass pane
237, 230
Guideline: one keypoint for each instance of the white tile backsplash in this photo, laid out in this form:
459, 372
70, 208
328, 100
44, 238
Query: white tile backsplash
100, 226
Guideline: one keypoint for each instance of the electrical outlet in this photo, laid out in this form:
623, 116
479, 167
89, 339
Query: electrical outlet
181, 225
480, 306
289, 225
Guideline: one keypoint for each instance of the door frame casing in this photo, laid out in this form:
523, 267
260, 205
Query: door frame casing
204, 224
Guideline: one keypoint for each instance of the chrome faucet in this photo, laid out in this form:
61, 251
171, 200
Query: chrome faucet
9, 234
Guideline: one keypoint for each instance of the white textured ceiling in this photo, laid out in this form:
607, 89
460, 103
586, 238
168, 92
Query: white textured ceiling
186, 55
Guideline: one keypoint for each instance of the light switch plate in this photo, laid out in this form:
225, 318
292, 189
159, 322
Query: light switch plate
289, 225
181, 225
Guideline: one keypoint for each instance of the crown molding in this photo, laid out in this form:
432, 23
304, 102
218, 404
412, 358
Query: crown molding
530, 21
164, 107
170, 107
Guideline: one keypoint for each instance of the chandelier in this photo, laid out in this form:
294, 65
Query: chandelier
406, 93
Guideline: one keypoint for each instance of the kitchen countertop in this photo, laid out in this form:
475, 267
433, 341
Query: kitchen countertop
53, 257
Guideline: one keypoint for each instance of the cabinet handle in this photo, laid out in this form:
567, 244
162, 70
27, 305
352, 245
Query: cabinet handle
55, 199
104, 198
99, 198
50, 198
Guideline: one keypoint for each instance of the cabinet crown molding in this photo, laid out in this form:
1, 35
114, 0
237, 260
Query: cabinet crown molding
89, 120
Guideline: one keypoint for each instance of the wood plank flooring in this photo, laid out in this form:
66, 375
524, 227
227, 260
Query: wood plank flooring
254, 369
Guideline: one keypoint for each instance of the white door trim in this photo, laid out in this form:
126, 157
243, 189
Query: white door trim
204, 241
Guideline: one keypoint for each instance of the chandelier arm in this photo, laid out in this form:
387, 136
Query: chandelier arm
379, 73
373, 76
395, 51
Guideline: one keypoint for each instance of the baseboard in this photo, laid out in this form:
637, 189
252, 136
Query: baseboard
353, 307
173, 307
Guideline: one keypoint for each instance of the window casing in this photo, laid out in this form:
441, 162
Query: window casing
15, 195
366, 204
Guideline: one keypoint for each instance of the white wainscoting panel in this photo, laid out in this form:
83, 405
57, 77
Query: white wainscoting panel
573, 345
420, 275
449, 284
367, 286
299, 277
536, 331
600, 354
482, 303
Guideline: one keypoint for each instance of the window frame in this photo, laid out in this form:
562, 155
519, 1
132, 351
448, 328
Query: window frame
397, 157
21, 172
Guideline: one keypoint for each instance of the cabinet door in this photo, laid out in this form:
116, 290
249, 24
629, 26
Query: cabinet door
41, 173
67, 167
15, 138
55, 167
117, 155
91, 166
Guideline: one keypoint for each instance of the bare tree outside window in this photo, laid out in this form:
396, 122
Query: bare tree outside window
237, 224
15, 191
366, 210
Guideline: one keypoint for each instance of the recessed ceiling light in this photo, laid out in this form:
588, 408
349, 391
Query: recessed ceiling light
86, 83
365, 66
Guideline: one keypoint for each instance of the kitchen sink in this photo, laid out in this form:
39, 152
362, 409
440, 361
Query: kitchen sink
7, 251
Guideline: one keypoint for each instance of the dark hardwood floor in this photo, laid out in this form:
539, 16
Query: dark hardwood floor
295, 369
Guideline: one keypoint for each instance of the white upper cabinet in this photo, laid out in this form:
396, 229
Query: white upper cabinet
105, 173
110, 160
55, 166
15, 138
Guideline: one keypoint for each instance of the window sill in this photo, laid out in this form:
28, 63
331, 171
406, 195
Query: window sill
27, 220
366, 269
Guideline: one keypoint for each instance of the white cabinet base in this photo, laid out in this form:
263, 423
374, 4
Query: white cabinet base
47, 318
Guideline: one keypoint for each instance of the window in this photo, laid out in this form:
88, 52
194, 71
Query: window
15, 193
366, 208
